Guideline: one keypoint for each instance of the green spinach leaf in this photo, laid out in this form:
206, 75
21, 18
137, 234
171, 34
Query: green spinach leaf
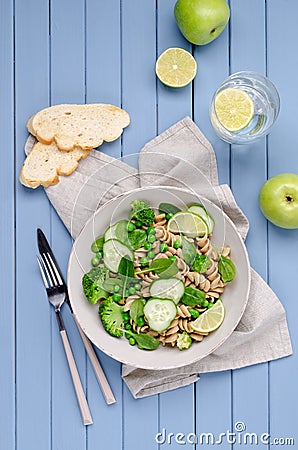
226, 268
137, 238
193, 296
189, 251
168, 208
126, 268
164, 267
110, 283
97, 245
136, 309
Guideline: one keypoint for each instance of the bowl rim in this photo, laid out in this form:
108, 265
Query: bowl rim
193, 360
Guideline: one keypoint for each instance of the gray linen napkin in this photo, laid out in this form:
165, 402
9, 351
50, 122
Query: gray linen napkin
181, 156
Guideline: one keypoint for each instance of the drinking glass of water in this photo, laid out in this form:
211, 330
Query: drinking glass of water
244, 107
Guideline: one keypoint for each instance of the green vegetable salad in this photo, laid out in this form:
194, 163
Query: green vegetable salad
157, 277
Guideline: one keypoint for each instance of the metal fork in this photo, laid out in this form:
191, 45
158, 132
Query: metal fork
44, 248
56, 295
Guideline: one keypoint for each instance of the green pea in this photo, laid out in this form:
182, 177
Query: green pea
169, 216
151, 238
99, 255
97, 245
151, 254
138, 286
138, 224
130, 226
147, 246
127, 326
163, 247
150, 230
204, 303
177, 244
140, 321
116, 297
116, 288
127, 335
132, 341
172, 258
144, 261
125, 317
132, 290
210, 305
194, 313
94, 261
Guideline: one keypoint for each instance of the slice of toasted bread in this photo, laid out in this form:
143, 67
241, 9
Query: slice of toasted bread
45, 163
84, 126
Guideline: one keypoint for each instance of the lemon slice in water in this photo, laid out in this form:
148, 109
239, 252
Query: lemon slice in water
234, 108
209, 320
176, 67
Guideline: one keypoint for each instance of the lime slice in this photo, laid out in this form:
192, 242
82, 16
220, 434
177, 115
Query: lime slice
191, 225
210, 320
176, 67
234, 108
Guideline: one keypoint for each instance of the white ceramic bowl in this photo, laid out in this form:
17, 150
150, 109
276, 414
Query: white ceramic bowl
235, 295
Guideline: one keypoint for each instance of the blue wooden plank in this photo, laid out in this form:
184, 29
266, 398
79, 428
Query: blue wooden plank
283, 157
250, 386
67, 85
7, 235
138, 25
103, 72
33, 330
103, 58
213, 67
173, 105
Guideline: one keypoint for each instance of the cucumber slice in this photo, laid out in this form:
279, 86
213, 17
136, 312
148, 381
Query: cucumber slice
160, 313
201, 211
121, 231
118, 231
171, 288
113, 251
110, 233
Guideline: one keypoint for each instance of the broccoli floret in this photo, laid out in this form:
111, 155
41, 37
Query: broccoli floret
141, 211
111, 317
92, 284
184, 341
200, 264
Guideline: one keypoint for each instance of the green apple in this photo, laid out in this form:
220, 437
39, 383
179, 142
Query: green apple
201, 21
278, 200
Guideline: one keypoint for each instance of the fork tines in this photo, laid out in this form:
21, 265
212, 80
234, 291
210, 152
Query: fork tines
48, 270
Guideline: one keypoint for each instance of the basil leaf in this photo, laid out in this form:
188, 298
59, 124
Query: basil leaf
110, 283
164, 267
145, 341
136, 309
168, 208
226, 268
97, 245
137, 238
189, 251
126, 268
201, 263
193, 296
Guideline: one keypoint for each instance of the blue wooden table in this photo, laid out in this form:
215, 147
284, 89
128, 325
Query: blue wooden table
59, 51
